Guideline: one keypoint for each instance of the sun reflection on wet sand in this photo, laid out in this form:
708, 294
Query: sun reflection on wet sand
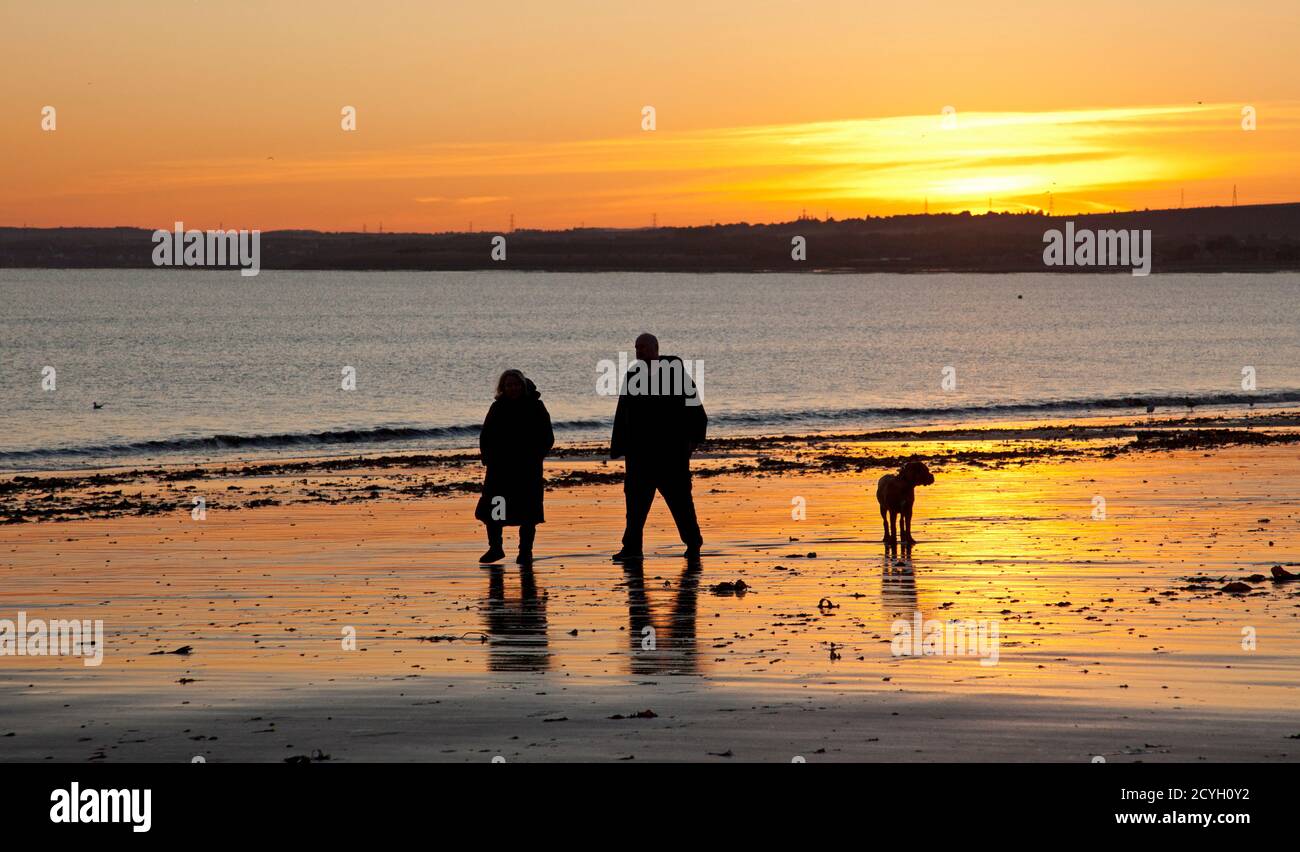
1120, 611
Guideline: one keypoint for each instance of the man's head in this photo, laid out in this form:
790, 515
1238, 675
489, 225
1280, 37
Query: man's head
647, 347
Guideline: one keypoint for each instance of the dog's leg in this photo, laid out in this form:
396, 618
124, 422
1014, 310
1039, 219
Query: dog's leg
907, 525
892, 532
884, 521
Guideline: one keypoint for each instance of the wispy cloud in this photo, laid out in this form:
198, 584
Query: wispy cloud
1097, 157
472, 199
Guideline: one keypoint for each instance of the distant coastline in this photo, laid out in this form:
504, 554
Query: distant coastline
1254, 238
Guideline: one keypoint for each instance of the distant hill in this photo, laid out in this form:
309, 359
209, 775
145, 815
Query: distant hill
1211, 239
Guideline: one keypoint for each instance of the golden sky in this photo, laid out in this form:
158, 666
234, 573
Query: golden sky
230, 112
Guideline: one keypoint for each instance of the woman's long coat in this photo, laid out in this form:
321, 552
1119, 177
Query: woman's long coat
516, 437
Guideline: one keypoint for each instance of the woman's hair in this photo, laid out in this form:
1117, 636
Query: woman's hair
501, 382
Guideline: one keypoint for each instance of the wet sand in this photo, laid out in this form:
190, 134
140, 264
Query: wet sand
1116, 639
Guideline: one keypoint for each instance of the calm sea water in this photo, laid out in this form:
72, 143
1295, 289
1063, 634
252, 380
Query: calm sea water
206, 365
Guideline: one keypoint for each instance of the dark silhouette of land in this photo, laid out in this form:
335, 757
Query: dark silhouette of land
1255, 238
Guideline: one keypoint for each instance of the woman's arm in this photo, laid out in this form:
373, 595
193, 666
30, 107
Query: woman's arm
545, 434
487, 436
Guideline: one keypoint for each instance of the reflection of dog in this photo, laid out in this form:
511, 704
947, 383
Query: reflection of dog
896, 492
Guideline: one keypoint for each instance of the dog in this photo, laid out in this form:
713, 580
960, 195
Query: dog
896, 492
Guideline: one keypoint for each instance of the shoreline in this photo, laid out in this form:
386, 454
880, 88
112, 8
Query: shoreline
143, 490
408, 439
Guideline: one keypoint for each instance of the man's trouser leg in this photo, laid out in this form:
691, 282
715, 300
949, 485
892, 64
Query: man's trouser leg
677, 494
639, 494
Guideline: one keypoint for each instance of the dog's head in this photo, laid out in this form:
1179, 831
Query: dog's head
916, 473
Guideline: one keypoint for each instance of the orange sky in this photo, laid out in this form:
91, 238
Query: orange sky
230, 113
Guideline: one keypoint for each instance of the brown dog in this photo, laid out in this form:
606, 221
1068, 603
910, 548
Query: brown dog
896, 492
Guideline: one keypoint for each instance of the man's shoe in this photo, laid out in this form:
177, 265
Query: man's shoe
525, 557
493, 554
627, 556
692, 552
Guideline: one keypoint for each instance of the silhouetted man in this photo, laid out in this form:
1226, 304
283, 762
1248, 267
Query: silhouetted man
658, 424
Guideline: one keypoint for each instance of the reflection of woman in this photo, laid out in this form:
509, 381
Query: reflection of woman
516, 437
516, 626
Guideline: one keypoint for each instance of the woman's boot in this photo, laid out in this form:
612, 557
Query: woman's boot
527, 532
495, 551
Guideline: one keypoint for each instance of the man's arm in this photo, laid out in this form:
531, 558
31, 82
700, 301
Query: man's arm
695, 421
618, 441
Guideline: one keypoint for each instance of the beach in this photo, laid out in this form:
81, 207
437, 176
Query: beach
333, 609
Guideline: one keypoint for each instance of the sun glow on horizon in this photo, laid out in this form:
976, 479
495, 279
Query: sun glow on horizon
1084, 160
479, 116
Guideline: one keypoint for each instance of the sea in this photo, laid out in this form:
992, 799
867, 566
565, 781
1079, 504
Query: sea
103, 368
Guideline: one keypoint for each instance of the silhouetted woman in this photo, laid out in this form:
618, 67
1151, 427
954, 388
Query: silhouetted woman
516, 437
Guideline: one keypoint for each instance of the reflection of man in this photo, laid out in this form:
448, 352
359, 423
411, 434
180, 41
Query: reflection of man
658, 424
663, 645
